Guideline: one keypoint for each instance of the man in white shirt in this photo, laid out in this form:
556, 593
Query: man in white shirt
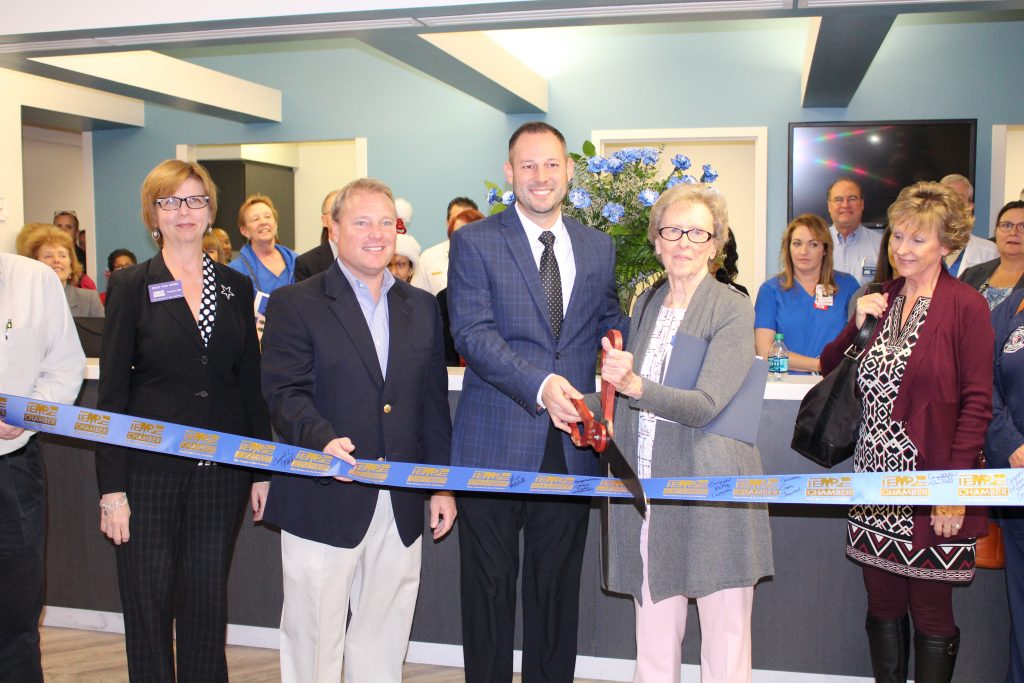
432, 272
41, 358
855, 247
978, 250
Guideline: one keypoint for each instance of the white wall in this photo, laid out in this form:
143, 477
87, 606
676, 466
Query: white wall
323, 166
56, 177
1013, 183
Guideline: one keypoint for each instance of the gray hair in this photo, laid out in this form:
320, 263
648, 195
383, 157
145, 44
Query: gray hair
687, 193
955, 178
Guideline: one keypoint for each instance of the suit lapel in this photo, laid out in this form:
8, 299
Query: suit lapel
343, 304
176, 308
522, 254
399, 327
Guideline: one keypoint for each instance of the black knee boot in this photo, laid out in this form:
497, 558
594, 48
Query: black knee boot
889, 641
935, 657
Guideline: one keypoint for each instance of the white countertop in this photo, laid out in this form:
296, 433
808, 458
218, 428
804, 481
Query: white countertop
792, 388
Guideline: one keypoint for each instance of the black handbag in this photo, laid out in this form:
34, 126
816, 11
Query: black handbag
828, 421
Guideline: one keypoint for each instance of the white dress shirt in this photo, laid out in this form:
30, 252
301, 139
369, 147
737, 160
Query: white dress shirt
856, 254
562, 248
566, 264
40, 355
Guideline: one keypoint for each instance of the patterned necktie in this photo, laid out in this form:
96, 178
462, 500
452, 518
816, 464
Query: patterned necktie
551, 279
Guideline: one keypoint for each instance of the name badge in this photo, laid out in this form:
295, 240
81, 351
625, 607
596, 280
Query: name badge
165, 291
822, 301
259, 304
869, 271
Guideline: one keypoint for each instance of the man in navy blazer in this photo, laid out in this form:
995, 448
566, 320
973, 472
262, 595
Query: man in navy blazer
525, 360
353, 365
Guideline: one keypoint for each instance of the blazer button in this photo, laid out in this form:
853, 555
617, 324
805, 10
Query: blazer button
202, 394
204, 360
387, 408
558, 355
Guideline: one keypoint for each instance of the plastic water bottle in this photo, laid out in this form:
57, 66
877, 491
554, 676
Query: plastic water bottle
778, 359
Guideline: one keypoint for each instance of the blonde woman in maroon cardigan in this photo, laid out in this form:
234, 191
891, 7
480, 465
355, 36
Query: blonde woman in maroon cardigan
926, 387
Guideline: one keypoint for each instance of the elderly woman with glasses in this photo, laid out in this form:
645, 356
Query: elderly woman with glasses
712, 553
995, 279
179, 345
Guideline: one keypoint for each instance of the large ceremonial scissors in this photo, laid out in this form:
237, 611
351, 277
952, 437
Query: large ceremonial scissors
599, 435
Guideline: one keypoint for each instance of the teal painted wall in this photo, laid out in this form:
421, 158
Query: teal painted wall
431, 142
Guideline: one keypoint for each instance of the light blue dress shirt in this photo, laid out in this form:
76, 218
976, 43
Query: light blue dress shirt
376, 313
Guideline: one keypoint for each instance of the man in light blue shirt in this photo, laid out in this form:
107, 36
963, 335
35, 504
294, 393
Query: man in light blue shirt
856, 247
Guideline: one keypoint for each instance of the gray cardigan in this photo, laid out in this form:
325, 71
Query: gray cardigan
84, 303
694, 548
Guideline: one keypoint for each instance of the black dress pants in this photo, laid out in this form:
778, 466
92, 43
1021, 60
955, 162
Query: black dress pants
174, 568
554, 532
22, 532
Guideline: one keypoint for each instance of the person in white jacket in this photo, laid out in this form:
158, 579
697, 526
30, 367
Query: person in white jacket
978, 249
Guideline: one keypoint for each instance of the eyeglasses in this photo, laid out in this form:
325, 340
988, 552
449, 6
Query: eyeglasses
196, 201
65, 212
673, 234
1007, 226
845, 200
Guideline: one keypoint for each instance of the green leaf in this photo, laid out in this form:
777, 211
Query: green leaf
492, 186
588, 148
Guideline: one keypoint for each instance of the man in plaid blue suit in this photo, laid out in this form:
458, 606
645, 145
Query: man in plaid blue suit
527, 313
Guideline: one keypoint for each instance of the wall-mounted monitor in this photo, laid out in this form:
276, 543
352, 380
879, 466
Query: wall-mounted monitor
882, 156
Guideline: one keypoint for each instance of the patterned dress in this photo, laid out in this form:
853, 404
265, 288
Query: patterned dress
880, 535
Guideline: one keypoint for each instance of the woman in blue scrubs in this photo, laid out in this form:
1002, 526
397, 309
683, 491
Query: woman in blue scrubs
807, 301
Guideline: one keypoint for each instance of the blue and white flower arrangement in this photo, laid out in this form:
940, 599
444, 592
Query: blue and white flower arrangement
615, 192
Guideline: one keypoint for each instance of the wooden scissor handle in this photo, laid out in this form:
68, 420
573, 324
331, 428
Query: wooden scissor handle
588, 431
607, 390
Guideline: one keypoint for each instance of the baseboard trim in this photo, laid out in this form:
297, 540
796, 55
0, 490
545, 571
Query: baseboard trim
437, 654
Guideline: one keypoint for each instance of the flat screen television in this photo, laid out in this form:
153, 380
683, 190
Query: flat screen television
882, 156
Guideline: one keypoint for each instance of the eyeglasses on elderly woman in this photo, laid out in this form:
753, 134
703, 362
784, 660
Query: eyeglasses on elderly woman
671, 233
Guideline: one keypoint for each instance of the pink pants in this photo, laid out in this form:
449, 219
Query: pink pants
725, 633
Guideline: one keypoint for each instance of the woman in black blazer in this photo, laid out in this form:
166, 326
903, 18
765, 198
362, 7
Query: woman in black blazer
179, 345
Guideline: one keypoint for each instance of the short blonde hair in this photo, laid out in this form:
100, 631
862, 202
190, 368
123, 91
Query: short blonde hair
47, 235
163, 180
23, 235
255, 199
691, 193
360, 185
934, 206
820, 232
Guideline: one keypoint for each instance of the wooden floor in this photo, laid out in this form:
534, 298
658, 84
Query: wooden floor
76, 656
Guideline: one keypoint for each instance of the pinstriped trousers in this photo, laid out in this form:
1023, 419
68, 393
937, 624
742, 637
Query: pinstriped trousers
173, 571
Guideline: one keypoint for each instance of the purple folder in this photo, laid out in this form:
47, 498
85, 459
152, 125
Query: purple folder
742, 416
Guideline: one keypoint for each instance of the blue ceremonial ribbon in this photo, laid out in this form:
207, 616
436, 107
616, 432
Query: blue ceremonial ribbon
997, 487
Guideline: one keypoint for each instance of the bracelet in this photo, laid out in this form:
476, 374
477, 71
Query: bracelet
110, 507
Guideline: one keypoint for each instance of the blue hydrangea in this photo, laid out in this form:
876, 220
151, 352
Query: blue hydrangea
597, 164
647, 196
673, 180
492, 196
508, 198
649, 155
580, 198
688, 179
628, 154
615, 165
613, 212
681, 162
710, 175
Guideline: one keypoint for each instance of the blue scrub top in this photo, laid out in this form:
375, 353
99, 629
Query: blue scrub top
807, 329
265, 281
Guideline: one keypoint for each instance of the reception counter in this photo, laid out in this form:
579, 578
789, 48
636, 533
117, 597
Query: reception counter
808, 618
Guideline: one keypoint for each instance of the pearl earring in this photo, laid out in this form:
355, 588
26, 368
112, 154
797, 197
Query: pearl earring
156, 234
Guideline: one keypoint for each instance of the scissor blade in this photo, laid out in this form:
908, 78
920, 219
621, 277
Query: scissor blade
623, 470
